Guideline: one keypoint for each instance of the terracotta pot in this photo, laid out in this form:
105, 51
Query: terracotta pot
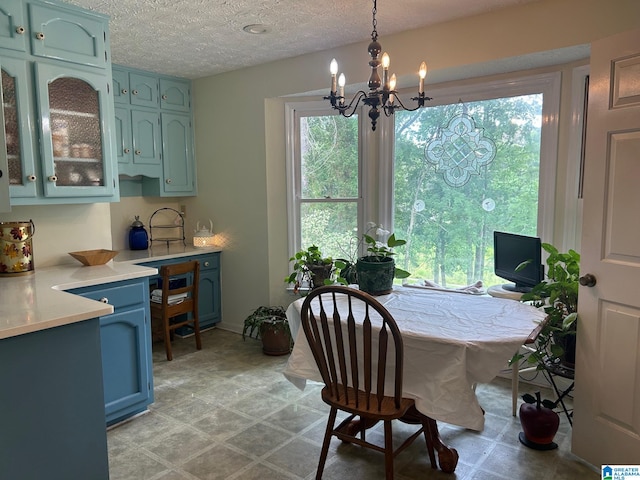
376, 278
276, 340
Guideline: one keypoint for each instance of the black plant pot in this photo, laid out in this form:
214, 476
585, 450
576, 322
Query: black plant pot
320, 273
568, 344
376, 277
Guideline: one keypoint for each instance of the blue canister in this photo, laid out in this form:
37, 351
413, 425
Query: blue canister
138, 237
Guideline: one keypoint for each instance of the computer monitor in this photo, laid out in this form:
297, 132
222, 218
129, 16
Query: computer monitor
511, 250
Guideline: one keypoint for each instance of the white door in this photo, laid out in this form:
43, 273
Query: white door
607, 395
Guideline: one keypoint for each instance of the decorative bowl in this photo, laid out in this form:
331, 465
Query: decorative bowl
94, 257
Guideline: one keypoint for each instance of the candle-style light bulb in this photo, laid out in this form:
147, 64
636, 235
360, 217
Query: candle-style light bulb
385, 70
422, 72
333, 69
342, 82
392, 87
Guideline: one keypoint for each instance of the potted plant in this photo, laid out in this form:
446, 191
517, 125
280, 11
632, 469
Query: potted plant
376, 270
310, 268
539, 422
558, 296
269, 324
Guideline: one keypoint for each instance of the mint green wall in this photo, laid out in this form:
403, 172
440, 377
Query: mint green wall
240, 137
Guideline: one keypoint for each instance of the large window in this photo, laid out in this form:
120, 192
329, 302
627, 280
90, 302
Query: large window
462, 171
434, 183
325, 180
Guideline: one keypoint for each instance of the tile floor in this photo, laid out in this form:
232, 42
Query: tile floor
227, 412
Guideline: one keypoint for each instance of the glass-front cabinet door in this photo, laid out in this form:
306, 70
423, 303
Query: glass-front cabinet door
18, 125
76, 148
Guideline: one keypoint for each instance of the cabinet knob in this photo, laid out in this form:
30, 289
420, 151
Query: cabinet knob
124, 91
127, 150
168, 180
138, 152
20, 30
53, 178
164, 97
40, 36
206, 264
104, 300
134, 92
31, 178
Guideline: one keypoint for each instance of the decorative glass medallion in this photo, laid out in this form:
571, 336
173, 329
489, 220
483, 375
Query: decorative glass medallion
460, 150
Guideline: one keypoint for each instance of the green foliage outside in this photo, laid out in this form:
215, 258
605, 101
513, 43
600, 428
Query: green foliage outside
448, 232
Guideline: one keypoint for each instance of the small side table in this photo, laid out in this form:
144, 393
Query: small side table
499, 292
559, 370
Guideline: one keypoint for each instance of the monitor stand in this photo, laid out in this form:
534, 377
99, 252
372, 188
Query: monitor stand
499, 291
516, 288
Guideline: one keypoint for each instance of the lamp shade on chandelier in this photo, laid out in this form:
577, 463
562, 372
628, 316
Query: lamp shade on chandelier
382, 95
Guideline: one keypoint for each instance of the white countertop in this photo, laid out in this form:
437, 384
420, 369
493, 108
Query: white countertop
34, 302
162, 252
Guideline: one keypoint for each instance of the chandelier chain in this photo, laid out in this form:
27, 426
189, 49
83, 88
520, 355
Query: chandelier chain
374, 32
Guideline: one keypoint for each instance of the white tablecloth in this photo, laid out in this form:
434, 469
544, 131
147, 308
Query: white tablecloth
451, 341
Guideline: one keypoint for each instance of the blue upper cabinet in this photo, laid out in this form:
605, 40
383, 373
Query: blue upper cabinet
60, 33
57, 106
155, 134
120, 87
144, 90
175, 95
77, 149
18, 120
13, 30
177, 154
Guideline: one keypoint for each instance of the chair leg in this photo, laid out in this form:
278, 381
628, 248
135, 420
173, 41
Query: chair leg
388, 450
167, 337
327, 440
514, 387
196, 329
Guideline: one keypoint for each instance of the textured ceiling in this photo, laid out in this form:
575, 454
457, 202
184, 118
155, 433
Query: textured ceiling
197, 38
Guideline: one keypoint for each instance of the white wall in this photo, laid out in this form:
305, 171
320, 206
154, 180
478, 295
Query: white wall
64, 228
239, 121
123, 215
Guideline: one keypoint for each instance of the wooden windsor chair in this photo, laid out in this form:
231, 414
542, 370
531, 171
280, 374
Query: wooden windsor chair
359, 350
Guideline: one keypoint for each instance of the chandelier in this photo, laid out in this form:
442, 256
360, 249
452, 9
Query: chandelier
382, 94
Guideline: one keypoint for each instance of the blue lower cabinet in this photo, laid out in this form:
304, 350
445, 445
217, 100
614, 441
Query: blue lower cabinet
125, 339
209, 296
51, 405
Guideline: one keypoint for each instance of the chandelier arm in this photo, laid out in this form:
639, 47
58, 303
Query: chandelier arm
344, 109
390, 109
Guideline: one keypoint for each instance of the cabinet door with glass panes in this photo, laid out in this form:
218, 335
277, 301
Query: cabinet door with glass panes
18, 125
76, 147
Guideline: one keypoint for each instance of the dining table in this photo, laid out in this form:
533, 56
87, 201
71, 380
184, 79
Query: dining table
453, 340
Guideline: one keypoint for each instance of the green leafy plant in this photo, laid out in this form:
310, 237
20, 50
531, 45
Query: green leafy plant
275, 317
557, 295
377, 251
538, 401
310, 267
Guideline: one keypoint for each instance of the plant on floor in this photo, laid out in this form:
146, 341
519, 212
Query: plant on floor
269, 324
310, 268
558, 296
539, 422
